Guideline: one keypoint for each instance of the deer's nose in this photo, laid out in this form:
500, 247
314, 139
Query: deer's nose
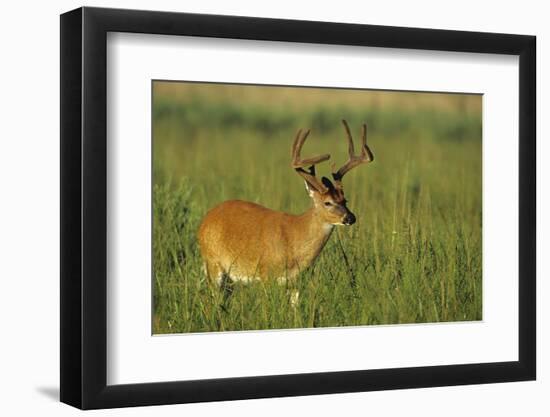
349, 219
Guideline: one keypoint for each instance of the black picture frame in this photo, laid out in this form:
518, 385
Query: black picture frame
84, 207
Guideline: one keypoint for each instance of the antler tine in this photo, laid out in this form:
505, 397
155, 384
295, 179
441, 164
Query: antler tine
354, 160
365, 150
299, 164
297, 161
295, 143
351, 150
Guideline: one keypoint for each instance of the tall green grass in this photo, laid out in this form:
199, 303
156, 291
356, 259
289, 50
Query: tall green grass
414, 255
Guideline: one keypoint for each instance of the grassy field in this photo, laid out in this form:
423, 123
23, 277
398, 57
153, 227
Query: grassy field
415, 253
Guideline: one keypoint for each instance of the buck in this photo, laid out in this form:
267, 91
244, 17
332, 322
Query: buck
243, 241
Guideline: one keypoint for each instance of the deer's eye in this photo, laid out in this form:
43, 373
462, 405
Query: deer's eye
328, 204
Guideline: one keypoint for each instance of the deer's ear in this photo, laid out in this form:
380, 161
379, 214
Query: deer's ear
327, 183
309, 188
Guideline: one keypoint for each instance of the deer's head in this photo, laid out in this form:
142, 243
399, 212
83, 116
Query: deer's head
328, 197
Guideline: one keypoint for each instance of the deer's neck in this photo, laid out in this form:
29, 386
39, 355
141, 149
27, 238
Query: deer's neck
313, 237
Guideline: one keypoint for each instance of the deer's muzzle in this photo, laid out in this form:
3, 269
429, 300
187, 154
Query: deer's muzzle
349, 219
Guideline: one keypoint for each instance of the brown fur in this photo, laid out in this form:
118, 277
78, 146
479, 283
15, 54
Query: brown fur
246, 240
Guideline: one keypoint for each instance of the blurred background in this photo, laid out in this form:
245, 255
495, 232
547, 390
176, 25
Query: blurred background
416, 248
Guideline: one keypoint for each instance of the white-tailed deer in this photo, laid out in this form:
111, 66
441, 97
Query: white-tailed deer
242, 241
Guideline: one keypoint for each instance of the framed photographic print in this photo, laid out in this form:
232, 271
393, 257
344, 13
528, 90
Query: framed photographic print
258, 207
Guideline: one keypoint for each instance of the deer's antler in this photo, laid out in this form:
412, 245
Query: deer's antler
299, 164
366, 155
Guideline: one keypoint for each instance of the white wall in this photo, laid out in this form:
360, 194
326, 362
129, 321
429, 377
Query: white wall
29, 237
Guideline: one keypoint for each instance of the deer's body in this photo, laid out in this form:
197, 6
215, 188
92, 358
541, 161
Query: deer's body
242, 241
259, 243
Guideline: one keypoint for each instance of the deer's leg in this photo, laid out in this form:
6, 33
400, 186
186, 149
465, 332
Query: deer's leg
226, 285
294, 297
214, 273
292, 292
